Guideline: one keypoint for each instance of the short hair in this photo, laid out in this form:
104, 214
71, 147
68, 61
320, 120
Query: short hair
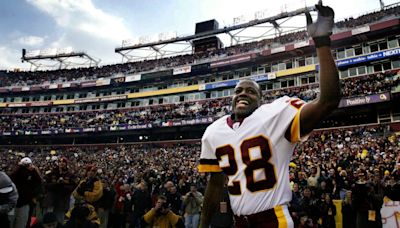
162, 197
253, 81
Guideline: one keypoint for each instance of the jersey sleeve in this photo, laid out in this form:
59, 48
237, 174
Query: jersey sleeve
295, 136
289, 116
208, 160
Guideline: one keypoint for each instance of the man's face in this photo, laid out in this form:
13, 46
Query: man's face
91, 173
246, 99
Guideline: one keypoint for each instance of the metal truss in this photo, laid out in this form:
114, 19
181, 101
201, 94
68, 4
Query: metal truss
61, 61
266, 28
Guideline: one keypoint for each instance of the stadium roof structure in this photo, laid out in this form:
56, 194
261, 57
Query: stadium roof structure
177, 45
61, 58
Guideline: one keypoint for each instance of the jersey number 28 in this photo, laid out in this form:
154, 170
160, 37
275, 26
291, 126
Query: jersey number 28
251, 165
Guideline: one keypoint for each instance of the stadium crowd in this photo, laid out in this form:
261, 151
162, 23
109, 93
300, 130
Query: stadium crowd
357, 165
156, 115
368, 18
10, 78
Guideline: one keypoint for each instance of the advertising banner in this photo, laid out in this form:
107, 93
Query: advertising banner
182, 70
367, 58
361, 100
132, 78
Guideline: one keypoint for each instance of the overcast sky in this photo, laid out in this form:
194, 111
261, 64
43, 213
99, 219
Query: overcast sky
99, 26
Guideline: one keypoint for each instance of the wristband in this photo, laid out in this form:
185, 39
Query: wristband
322, 41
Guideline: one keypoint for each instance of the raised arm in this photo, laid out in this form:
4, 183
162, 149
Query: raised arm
212, 196
330, 94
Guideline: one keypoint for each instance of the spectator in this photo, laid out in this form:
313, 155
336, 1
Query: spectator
105, 204
348, 212
175, 200
141, 202
28, 182
8, 198
49, 220
60, 183
90, 188
367, 205
192, 202
161, 216
82, 215
328, 212
309, 206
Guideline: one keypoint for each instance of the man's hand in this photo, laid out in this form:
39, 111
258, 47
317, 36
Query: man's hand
324, 24
322, 28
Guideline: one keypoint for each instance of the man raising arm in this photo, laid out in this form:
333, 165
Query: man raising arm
254, 145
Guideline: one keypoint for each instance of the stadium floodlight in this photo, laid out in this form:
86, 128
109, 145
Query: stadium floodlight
64, 57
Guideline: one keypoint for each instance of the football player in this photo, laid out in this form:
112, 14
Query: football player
254, 145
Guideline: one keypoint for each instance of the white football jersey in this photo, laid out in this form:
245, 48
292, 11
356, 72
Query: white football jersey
255, 155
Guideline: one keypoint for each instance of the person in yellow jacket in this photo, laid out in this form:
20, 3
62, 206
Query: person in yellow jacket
161, 216
82, 215
90, 188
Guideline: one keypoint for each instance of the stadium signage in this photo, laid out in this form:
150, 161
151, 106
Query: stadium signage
88, 84
132, 78
157, 74
302, 44
113, 98
115, 81
200, 67
182, 70
371, 57
30, 104
15, 105
103, 81
232, 83
360, 30
370, 99
40, 103
238, 59
93, 100
86, 100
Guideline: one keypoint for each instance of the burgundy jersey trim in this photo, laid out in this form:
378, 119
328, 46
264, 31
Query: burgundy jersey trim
230, 121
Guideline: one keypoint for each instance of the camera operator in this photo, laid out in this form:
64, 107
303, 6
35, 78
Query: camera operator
161, 216
192, 204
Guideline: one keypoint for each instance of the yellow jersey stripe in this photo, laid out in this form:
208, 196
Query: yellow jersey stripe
209, 168
295, 128
282, 223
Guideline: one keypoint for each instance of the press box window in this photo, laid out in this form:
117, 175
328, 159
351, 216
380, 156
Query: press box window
358, 50
387, 65
393, 42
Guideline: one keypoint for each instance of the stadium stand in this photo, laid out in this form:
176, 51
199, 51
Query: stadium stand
351, 158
